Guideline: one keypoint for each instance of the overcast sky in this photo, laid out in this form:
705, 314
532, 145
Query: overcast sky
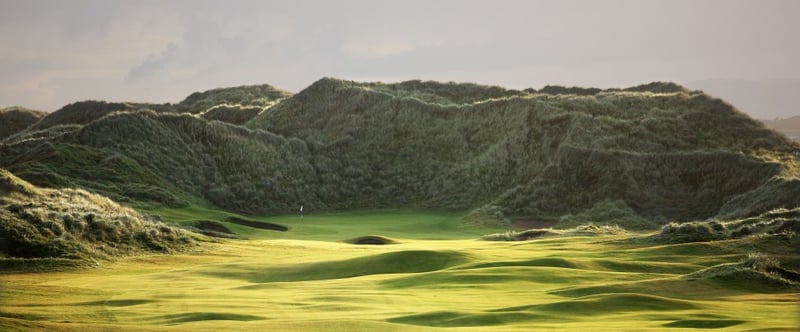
56, 52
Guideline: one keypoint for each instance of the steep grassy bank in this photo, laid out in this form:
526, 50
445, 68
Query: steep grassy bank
658, 151
638, 157
43, 227
17, 119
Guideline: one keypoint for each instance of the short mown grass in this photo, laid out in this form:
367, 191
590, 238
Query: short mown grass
310, 278
339, 226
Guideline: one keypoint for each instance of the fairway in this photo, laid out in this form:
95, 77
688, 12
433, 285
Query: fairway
438, 274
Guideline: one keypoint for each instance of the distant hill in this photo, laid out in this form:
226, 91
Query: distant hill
789, 126
673, 155
640, 156
235, 105
80, 113
249, 95
16, 119
235, 114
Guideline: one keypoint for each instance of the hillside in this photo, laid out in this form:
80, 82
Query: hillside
663, 155
762, 99
789, 126
234, 114
75, 225
16, 119
235, 105
640, 156
249, 95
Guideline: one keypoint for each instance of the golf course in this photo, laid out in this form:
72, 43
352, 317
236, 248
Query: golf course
417, 205
433, 272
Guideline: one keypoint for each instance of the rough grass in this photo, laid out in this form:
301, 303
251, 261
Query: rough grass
249, 95
529, 234
234, 114
780, 221
566, 282
637, 157
37, 223
17, 119
81, 113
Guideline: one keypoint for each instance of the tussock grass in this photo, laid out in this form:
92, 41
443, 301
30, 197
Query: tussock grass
538, 233
37, 223
607, 213
637, 157
531, 154
249, 95
81, 113
16, 119
783, 222
767, 279
234, 114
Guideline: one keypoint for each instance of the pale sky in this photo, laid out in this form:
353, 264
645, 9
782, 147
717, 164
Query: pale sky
56, 52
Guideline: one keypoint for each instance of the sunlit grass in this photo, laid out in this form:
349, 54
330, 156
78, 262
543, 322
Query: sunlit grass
343, 225
305, 279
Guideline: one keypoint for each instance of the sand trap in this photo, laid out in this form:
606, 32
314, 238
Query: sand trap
257, 224
210, 225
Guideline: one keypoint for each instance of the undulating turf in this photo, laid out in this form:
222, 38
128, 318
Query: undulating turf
435, 274
421, 225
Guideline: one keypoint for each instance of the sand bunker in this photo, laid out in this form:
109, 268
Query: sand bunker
257, 224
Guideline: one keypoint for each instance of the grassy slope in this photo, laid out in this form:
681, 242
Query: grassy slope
645, 156
74, 227
80, 113
249, 95
664, 155
16, 119
574, 283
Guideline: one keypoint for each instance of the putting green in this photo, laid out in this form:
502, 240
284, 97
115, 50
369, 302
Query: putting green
435, 275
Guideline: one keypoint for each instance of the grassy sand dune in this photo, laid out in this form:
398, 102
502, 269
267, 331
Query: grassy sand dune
44, 228
638, 157
311, 280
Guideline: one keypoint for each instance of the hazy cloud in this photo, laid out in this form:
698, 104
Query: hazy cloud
56, 52
154, 65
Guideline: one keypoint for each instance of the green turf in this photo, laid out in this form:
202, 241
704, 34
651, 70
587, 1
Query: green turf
421, 225
436, 274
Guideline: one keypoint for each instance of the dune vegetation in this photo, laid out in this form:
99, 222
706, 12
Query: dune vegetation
16, 119
42, 228
249, 95
639, 157
425, 205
